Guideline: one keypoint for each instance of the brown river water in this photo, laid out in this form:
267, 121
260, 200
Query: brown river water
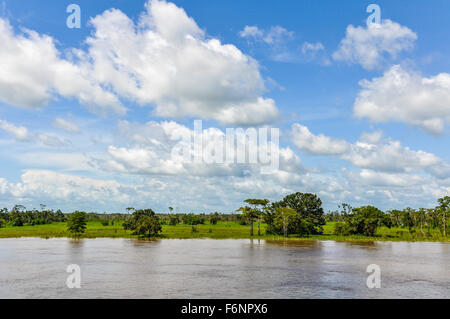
128, 268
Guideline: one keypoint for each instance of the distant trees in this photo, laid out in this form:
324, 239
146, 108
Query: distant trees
144, 222
174, 220
444, 211
214, 218
339, 216
193, 219
76, 223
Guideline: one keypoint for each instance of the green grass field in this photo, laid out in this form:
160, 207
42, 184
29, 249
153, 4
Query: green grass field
222, 230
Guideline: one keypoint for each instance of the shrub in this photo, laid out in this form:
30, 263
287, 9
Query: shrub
366, 219
104, 222
174, 220
214, 219
341, 229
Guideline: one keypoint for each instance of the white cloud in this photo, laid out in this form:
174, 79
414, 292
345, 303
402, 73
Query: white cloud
402, 95
317, 144
28, 82
155, 149
164, 60
54, 187
272, 36
251, 32
369, 46
371, 152
389, 156
21, 134
167, 61
66, 125
381, 179
312, 48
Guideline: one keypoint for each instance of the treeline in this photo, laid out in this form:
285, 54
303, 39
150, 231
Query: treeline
298, 214
20, 216
365, 220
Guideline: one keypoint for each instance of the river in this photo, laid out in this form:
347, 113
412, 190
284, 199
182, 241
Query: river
128, 268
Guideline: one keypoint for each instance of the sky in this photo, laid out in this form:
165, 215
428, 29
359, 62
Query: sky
90, 116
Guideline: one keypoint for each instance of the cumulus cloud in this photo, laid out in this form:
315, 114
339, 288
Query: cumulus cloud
402, 95
33, 71
371, 151
370, 46
389, 156
164, 60
382, 179
168, 148
167, 61
317, 144
59, 188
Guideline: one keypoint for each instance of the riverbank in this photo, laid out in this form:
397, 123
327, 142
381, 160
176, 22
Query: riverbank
222, 230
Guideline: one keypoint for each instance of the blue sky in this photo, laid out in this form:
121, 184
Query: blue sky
88, 116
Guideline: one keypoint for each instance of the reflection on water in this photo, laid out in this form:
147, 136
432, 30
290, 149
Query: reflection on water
127, 268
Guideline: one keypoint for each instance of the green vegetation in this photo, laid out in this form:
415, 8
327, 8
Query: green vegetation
296, 217
76, 224
144, 223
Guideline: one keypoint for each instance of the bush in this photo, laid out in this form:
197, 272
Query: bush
341, 229
174, 220
306, 227
366, 219
2, 223
104, 222
214, 219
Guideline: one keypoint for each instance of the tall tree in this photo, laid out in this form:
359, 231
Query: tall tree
249, 214
76, 224
256, 203
309, 207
